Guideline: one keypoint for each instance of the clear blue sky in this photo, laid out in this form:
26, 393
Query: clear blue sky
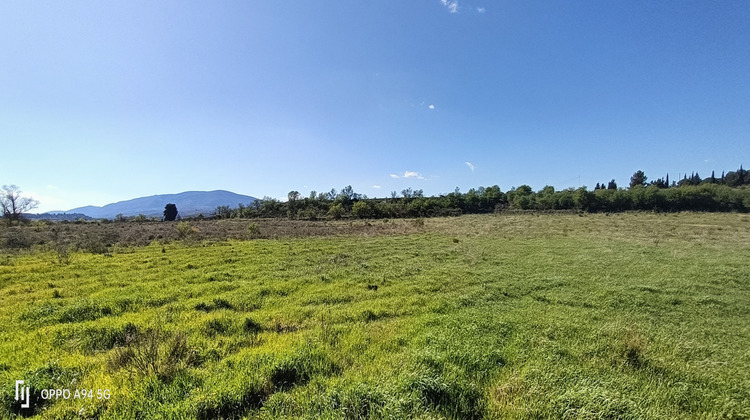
106, 101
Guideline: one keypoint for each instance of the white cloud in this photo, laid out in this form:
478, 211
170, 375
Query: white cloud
452, 5
480, 9
470, 165
377, 187
409, 174
431, 106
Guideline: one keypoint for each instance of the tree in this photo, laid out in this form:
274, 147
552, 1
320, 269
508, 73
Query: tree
612, 185
292, 203
13, 205
170, 212
638, 178
362, 209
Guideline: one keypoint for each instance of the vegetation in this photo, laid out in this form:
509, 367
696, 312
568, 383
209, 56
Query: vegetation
170, 212
730, 192
632, 315
13, 204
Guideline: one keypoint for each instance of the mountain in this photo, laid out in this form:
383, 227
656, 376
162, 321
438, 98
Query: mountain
189, 203
56, 216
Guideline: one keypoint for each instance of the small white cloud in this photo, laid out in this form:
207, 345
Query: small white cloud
431, 106
480, 9
470, 165
377, 187
409, 174
452, 5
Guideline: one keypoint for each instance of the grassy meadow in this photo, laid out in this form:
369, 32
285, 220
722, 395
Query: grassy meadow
632, 315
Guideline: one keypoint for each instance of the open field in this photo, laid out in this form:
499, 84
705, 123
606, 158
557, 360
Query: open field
634, 315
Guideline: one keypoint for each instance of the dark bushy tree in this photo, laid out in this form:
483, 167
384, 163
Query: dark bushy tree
638, 178
170, 212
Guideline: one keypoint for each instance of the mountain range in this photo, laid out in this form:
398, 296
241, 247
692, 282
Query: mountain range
189, 203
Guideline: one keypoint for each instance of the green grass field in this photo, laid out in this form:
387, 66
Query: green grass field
508, 316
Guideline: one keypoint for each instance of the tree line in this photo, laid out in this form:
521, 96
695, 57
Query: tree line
728, 192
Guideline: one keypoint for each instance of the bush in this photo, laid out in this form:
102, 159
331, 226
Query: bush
15, 238
362, 210
336, 211
185, 230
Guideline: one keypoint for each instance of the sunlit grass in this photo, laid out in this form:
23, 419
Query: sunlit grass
621, 316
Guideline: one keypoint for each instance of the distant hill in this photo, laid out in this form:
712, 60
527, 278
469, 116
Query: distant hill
57, 216
189, 203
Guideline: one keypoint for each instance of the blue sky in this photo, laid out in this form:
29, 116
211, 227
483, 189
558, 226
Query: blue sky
106, 101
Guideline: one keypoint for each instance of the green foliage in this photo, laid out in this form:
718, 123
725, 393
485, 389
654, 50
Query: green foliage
170, 212
336, 211
140, 218
252, 229
156, 352
185, 230
638, 179
363, 210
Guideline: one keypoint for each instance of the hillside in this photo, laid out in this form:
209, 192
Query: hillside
189, 203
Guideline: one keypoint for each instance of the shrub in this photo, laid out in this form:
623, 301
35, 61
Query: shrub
336, 211
15, 239
362, 210
140, 218
184, 230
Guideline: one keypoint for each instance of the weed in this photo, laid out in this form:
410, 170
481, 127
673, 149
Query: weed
155, 352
